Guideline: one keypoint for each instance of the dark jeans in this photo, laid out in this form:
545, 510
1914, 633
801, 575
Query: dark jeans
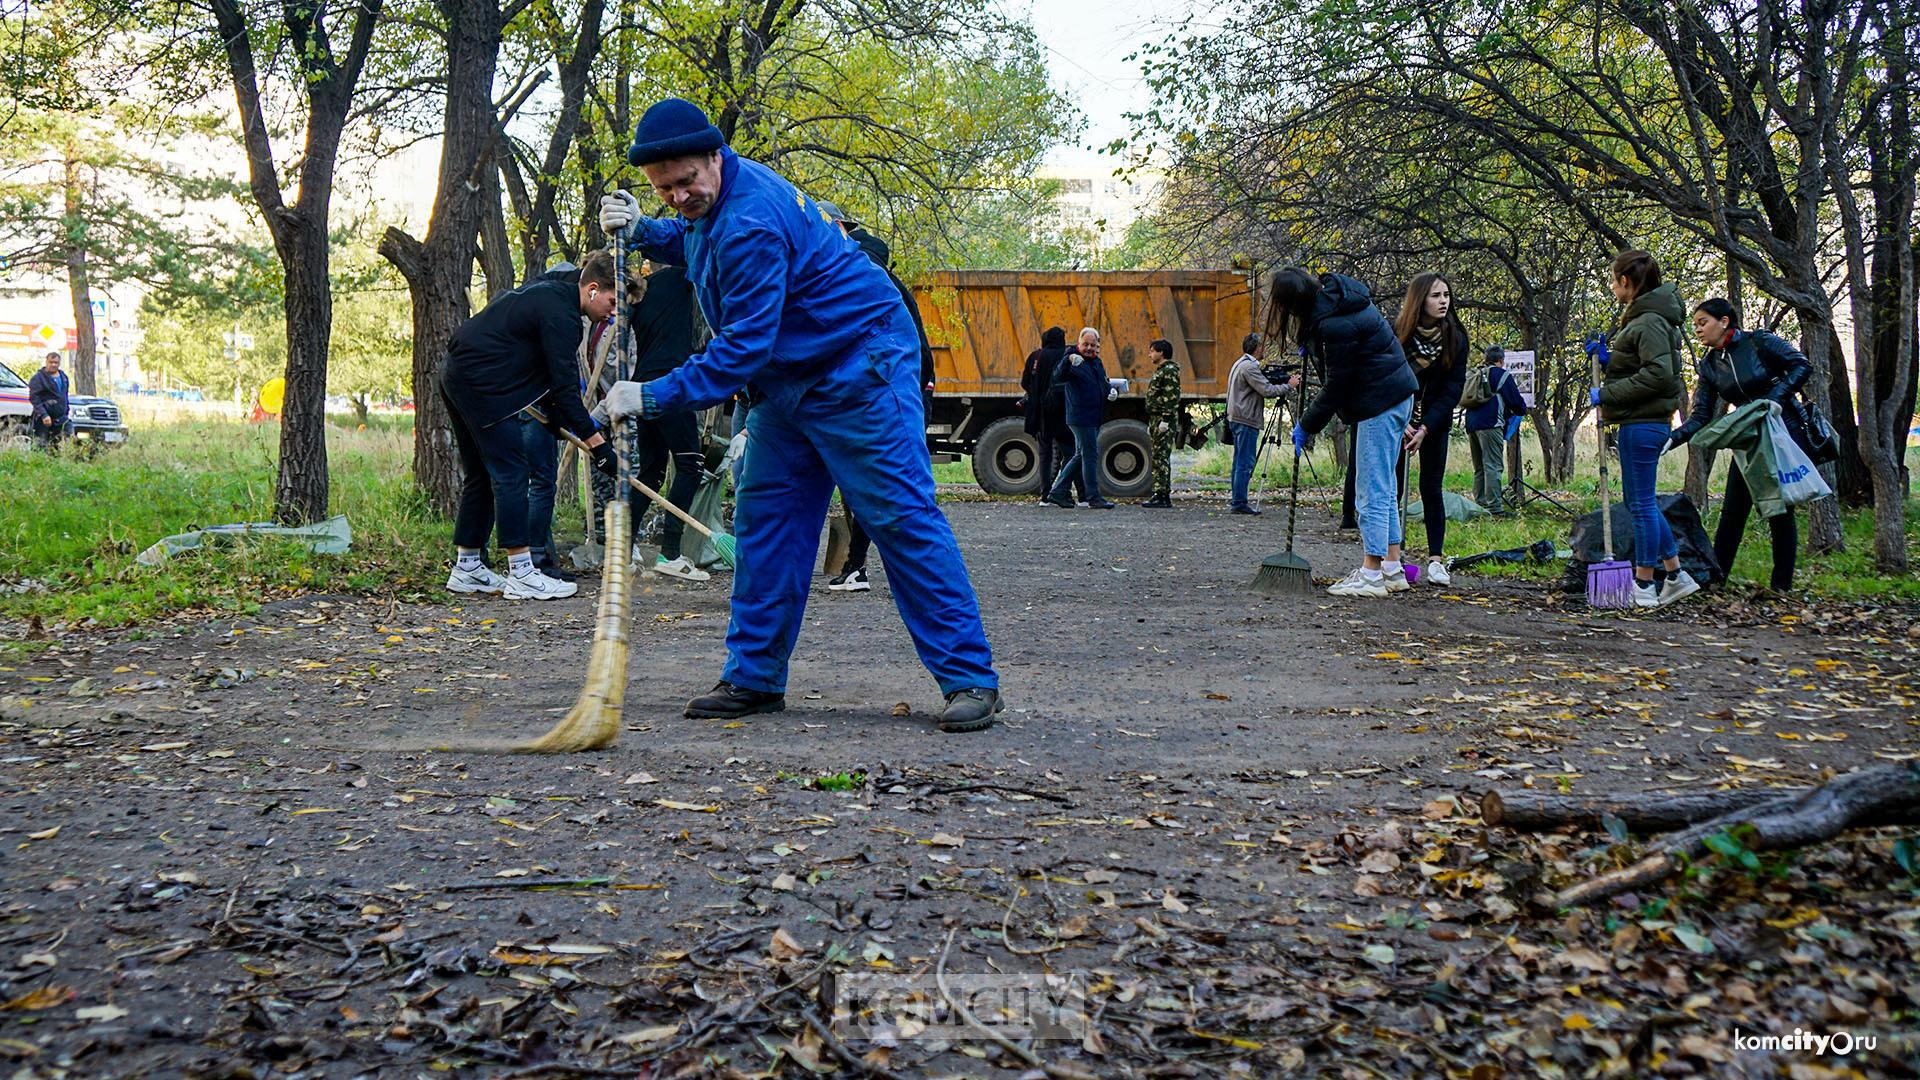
1086, 459
1735, 507
48, 436
1054, 452
493, 496
1640, 443
1433, 498
1246, 448
675, 436
857, 544
543, 469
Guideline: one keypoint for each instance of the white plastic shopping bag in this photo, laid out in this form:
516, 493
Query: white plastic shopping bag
1800, 481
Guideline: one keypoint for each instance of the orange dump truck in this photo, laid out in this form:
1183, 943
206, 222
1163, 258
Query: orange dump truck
983, 323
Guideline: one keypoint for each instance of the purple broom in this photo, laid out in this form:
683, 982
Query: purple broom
1609, 582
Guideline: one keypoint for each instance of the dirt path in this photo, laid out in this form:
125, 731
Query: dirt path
1190, 805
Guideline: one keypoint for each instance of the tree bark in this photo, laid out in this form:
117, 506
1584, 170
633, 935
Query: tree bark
1539, 811
77, 279
300, 231
439, 269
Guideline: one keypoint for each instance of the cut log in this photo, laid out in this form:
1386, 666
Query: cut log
1788, 821
1535, 811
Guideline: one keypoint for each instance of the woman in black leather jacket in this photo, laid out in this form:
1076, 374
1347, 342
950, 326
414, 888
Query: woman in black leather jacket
1743, 366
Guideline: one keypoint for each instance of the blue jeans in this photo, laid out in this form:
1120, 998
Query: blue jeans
1246, 447
1086, 458
543, 469
1376, 478
1653, 541
859, 424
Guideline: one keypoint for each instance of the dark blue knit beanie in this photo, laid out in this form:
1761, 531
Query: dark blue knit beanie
673, 128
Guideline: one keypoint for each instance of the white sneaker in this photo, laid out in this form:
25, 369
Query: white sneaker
851, 581
1645, 595
1436, 573
482, 580
534, 585
1678, 587
679, 567
1357, 584
1395, 581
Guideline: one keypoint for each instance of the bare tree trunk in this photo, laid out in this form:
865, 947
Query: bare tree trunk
77, 282
439, 270
300, 491
496, 254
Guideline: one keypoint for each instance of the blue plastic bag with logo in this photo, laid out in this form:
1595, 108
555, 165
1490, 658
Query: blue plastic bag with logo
1800, 481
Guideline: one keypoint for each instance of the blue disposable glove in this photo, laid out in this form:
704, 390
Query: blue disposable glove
1593, 395
1597, 349
1513, 427
1299, 440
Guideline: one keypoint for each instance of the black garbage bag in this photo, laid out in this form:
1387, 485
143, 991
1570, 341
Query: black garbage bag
1696, 547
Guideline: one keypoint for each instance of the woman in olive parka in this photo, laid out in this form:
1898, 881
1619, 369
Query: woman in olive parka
1641, 391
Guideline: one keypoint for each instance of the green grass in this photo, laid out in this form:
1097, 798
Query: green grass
74, 524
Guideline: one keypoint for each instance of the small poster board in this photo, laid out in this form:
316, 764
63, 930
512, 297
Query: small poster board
1520, 366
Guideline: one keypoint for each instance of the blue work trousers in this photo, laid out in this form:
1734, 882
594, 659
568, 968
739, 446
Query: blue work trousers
860, 425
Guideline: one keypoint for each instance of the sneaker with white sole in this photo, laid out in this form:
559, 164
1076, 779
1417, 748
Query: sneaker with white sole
1678, 587
482, 580
1645, 594
1396, 581
854, 580
535, 585
1357, 584
1436, 573
679, 567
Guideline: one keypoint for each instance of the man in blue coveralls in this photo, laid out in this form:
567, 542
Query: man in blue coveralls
804, 319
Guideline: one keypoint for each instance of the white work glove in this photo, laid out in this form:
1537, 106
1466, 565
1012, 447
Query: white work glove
1112, 393
1076, 359
625, 400
617, 211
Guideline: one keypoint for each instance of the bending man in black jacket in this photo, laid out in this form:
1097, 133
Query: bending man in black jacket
518, 352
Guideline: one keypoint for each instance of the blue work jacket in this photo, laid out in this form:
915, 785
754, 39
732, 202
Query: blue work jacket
788, 295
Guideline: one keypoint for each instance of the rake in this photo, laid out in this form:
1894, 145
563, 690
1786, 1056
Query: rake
723, 543
1609, 582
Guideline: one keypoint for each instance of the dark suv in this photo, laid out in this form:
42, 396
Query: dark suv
95, 418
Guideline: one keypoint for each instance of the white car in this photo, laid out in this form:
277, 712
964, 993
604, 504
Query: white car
15, 410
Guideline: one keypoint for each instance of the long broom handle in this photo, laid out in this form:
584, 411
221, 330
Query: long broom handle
1293, 499
1606, 504
660, 500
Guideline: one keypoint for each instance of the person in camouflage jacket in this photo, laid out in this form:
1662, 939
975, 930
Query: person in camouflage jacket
1163, 421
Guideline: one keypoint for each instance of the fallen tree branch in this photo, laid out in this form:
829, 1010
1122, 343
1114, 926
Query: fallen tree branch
1790, 820
1538, 811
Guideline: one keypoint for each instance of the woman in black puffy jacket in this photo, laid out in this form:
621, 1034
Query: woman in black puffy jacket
1743, 366
1370, 387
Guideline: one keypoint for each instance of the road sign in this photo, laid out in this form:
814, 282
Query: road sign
243, 341
99, 308
46, 333
1520, 366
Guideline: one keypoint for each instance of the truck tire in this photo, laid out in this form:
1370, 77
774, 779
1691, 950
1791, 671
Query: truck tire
1006, 460
1126, 465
